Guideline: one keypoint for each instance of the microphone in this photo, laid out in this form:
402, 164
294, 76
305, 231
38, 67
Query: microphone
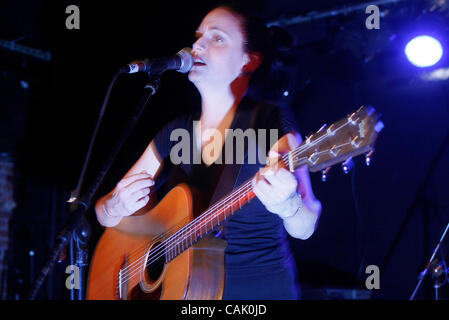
181, 62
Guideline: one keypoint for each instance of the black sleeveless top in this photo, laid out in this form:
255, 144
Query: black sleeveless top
258, 261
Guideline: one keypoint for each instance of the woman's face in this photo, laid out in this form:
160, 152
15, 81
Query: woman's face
218, 52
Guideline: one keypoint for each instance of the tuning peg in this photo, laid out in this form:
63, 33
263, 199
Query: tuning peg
308, 138
347, 165
368, 157
324, 174
379, 126
322, 127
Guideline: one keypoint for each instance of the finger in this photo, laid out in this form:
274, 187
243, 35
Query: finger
274, 179
256, 188
132, 178
272, 154
265, 172
139, 185
273, 157
135, 196
288, 180
111, 209
279, 190
263, 192
294, 140
282, 181
286, 177
258, 176
139, 204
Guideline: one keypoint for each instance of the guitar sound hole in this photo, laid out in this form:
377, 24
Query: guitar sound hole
156, 262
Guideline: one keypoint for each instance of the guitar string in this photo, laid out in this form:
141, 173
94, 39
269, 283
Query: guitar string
183, 235
206, 216
154, 258
160, 248
159, 237
158, 263
184, 232
147, 245
205, 219
202, 220
209, 220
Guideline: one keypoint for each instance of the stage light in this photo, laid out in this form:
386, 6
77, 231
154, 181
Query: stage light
424, 51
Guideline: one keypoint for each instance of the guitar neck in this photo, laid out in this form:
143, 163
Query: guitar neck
344, 139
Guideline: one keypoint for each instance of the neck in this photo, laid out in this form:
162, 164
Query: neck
217, 102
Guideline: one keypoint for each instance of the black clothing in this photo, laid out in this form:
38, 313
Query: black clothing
258, 261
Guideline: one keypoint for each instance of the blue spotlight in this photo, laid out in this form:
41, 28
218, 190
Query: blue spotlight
424, 51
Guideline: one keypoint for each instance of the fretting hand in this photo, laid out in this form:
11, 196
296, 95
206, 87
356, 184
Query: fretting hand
276, 188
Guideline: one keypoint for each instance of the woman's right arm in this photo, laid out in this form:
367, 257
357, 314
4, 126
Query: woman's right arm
132, 192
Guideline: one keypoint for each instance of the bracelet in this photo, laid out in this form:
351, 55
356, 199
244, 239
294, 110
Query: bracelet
106, 213
297, 210
295, 213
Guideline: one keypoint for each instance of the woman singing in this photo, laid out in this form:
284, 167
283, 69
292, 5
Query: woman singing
232, 52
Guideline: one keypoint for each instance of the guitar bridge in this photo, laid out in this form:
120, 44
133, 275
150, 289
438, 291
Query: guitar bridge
122, 280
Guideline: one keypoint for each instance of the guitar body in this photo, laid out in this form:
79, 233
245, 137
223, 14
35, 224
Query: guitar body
127, 264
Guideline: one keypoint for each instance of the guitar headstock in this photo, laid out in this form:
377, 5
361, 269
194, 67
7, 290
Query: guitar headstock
344, 139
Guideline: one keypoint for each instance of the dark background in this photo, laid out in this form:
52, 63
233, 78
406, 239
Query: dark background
390, 214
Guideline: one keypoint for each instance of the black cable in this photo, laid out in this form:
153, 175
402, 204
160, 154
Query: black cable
76, 192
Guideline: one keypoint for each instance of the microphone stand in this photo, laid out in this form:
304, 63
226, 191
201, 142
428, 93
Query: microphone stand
423, 274
77, 230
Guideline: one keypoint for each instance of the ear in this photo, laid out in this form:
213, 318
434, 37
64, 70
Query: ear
254, 59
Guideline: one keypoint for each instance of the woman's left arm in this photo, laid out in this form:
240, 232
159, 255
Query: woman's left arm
287, 194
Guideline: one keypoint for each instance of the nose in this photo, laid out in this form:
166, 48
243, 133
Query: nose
199, 45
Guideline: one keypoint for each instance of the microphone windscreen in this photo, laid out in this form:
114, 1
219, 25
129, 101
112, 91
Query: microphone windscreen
186, 60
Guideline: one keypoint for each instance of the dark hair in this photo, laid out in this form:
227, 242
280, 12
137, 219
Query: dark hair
271, 42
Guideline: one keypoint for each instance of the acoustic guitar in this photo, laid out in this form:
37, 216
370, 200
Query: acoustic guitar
170, 252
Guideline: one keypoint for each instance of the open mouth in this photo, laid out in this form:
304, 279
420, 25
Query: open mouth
197, 61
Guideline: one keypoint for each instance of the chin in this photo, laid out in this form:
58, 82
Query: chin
193, 76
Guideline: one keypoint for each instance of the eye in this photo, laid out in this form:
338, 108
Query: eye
218, 39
